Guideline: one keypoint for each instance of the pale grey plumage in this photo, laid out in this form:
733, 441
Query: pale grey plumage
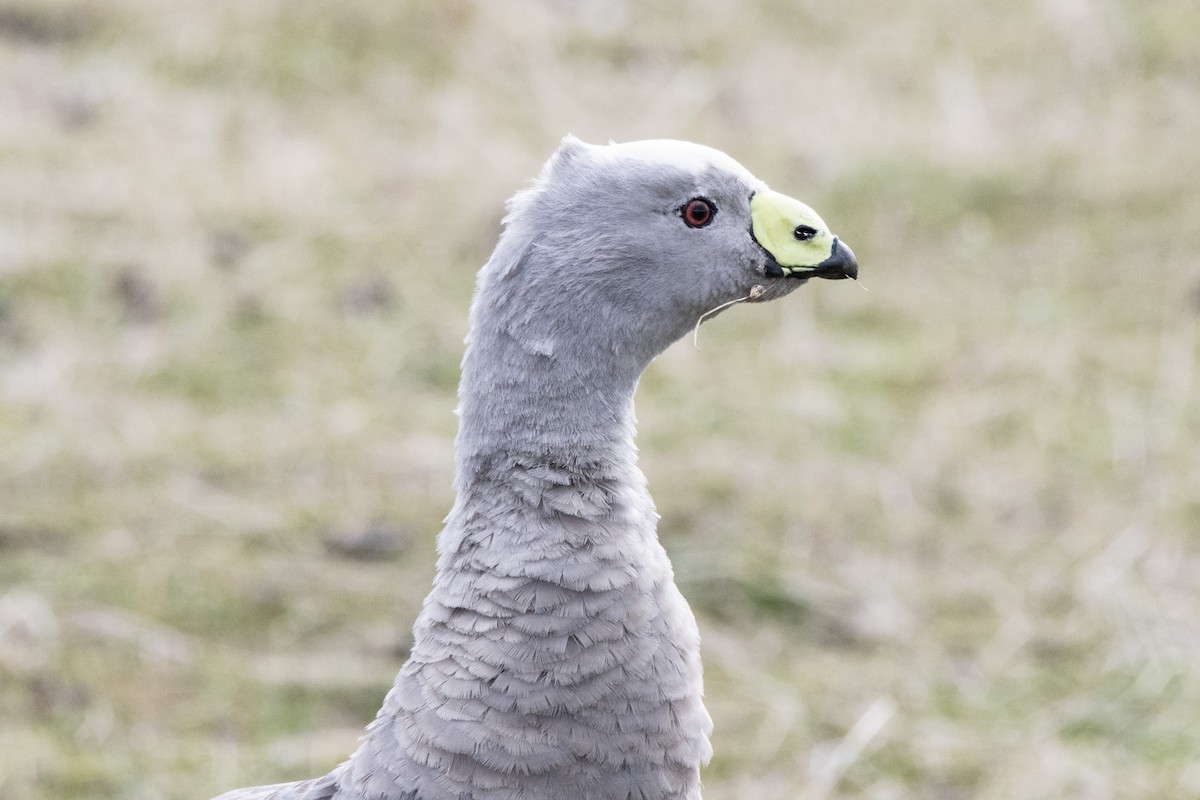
554, 656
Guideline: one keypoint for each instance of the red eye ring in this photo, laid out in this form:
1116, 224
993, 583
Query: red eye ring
698, 212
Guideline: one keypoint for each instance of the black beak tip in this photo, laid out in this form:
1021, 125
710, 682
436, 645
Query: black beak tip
850, 270
841, 263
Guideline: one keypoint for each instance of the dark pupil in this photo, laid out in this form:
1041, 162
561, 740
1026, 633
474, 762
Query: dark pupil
803, 232
697, 212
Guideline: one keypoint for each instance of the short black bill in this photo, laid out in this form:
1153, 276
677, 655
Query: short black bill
841, 264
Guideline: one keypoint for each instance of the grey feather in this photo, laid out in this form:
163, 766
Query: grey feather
554, 656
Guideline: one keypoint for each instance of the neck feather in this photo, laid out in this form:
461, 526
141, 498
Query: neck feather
554, 620
546, 450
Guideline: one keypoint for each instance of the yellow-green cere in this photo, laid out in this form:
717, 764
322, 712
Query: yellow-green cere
776, 218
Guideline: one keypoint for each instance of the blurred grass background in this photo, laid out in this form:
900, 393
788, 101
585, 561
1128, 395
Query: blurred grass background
943, 538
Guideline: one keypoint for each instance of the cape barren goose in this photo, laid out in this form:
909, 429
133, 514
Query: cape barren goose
554, 658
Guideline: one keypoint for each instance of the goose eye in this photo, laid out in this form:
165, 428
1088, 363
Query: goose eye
804, 232
698, 212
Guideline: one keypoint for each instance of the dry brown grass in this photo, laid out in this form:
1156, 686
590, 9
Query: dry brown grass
943, 537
